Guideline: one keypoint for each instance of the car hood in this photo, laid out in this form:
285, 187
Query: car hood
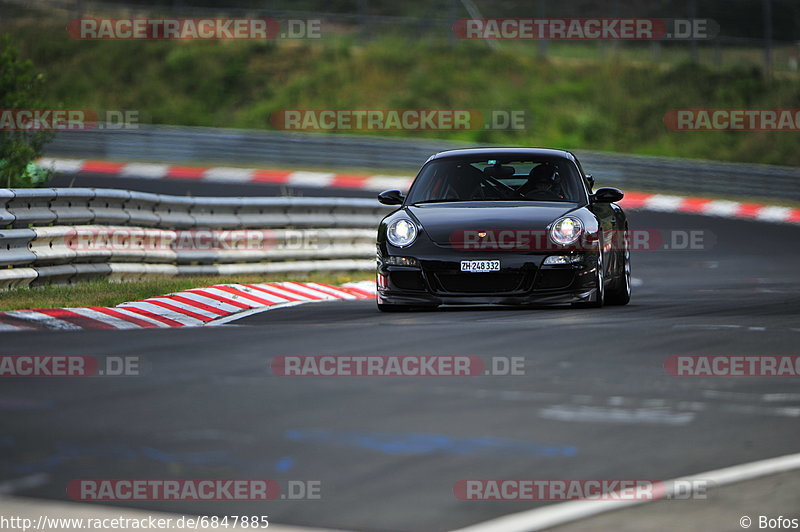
445, 223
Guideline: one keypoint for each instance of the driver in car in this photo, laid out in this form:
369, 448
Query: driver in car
543, 183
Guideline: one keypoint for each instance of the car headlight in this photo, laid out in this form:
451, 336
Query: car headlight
566, 230
401, 232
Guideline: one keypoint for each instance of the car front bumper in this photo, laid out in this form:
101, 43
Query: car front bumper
523, 279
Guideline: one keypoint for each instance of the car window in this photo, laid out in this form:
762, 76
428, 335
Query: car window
497, 179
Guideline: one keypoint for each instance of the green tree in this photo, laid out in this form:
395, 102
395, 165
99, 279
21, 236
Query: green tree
20, 88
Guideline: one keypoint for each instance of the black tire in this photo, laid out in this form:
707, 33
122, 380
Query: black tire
599, 295
620, 291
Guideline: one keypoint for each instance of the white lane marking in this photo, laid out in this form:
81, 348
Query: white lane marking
66, 166
706, 327
311, 179
722, 208
785, 411
587, 408
145, 170
721, 327
223, 173
571, 511
599, 414
105, 318
46, 321
709, 264
9, 487
727, 395
778, 397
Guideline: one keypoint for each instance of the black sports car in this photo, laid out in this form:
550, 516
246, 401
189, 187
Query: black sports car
503, 226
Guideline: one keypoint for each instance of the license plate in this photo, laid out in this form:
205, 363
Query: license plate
480, 266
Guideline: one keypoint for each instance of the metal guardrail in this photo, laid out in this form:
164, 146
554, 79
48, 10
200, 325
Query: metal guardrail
274, 148
69, 235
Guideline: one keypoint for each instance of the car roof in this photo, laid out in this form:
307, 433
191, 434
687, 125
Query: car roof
503, 152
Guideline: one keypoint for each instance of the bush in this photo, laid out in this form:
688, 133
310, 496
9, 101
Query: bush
20, 88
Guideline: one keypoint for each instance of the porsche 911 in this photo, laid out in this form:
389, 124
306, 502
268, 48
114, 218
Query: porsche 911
503, 226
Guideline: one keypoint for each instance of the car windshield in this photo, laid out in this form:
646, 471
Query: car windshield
497, 179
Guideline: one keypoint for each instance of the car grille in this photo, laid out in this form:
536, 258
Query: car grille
550, 279
479, 282
410, 280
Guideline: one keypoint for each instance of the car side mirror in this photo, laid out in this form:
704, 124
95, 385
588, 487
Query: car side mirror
391, 197
590, 181
607, 195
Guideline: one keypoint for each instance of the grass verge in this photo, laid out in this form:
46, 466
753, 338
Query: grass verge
609, 104
107, 294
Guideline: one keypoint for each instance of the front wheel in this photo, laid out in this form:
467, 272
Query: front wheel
620, 291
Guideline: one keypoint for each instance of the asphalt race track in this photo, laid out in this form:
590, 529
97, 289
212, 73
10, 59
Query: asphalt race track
595, 401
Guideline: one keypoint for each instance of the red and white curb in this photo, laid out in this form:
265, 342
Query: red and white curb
223, 174
213, 305
632, 200
710, 207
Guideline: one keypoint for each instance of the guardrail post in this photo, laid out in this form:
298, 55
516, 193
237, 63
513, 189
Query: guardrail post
6, 217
